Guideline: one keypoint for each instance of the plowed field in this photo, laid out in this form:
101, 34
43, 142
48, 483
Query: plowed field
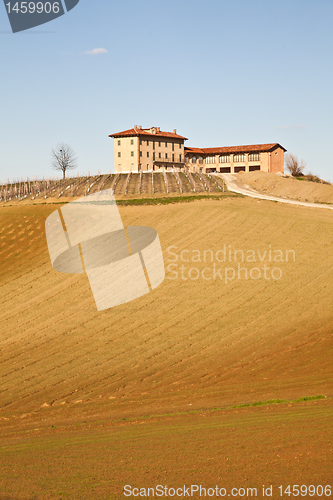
142, 394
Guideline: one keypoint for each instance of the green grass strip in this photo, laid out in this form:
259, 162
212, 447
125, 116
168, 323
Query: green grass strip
175, 199
245, 405
309, 398
191, 412
147, 201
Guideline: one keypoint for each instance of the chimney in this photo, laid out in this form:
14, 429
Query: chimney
175, 131
140, 127
135, 128
158, 129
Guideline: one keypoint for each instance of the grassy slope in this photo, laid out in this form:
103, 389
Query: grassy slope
294, 189
187, 345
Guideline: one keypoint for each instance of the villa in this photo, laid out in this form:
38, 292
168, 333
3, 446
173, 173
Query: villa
146, 149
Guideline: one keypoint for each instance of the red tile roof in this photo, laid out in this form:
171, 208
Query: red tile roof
235, 149
132, 132
193, 150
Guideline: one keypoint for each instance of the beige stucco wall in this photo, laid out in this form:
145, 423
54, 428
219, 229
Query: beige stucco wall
269, 162
126, 162
143, 148
264, 161
160, 146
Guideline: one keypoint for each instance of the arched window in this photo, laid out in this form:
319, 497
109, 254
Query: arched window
224, 158
254, 157
187, 159
194, 159
200, 159
239, 158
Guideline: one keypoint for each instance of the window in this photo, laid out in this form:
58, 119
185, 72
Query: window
140, 142
154, 156
118, 143
159, 155
225, 159
210, 159
159, 144
132, 142
180, 146
166, 156
166, 144
200, 159
254, 157
194, 159
119, 154
147, 154
119, 167
239, 158
173, 146
173, 157
180, 158
186, 159
132, 166
153, 144
140, 153
147, 143
132, 153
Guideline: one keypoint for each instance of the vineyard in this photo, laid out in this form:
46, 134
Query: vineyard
147, 184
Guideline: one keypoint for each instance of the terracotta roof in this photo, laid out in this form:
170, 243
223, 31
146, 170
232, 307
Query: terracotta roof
133, 132
235, 149
194, 150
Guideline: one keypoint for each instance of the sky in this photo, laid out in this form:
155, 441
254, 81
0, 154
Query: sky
222, 73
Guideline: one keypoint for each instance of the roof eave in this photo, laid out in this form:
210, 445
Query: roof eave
277, 145
140, 132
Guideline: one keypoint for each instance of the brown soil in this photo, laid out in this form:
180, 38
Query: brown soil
288, 187
241, 448
71, 375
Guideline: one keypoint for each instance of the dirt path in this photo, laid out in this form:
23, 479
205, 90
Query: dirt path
235, 185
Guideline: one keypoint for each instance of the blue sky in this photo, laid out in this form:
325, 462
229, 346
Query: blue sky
221, 72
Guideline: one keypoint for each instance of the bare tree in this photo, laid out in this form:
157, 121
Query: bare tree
294, 165
63, 158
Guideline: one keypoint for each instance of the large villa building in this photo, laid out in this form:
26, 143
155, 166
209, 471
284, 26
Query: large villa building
146, 149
